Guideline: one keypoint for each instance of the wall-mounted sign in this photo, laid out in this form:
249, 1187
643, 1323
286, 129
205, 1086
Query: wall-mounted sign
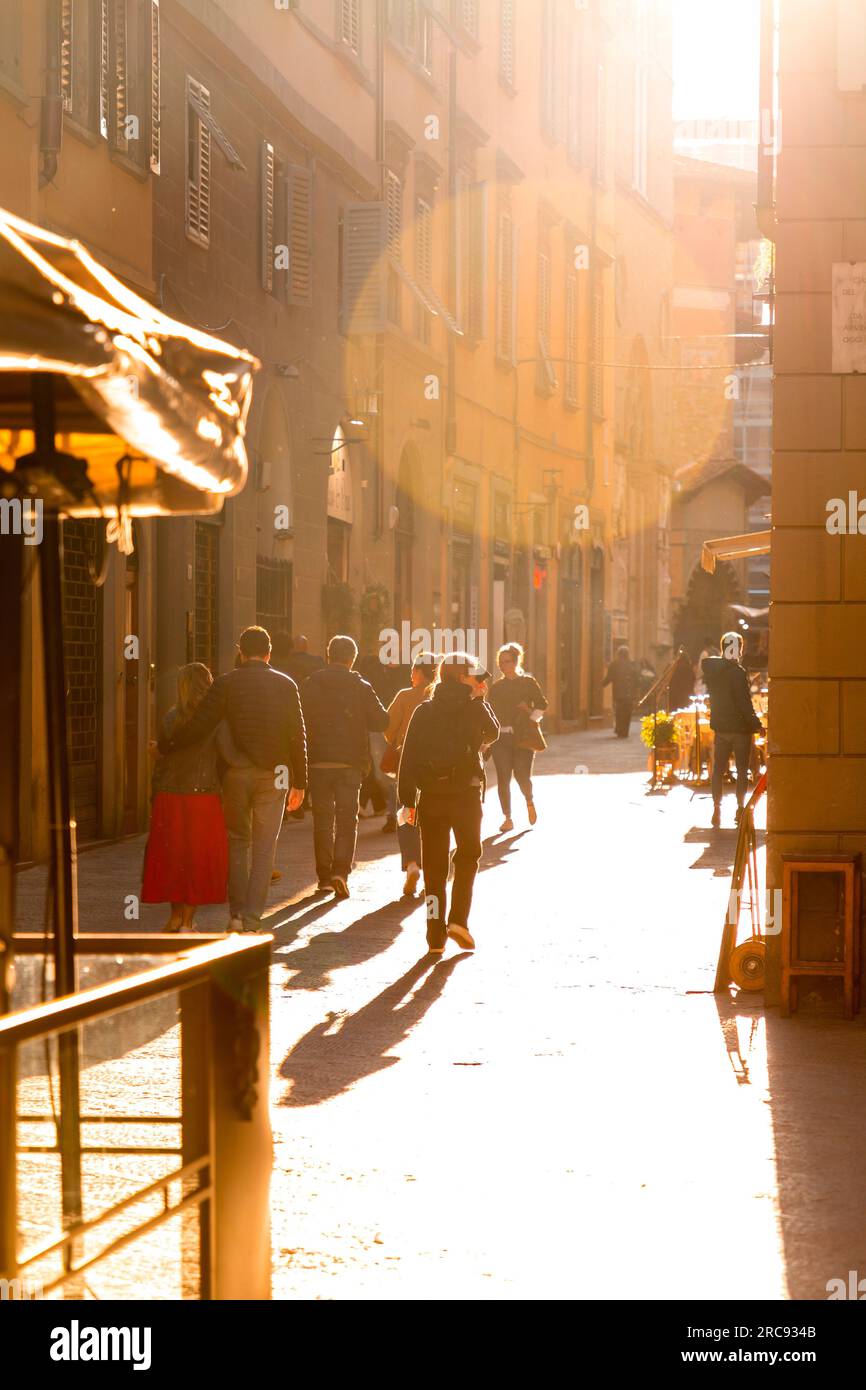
849, 316
340, 505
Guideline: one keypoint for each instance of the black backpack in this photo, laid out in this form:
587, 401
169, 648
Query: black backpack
452, 760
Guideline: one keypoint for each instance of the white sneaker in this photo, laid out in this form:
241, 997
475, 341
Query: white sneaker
413, 873
462, 936
236, 924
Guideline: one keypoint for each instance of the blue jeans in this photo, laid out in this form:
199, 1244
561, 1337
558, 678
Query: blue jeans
334, 794
253, 808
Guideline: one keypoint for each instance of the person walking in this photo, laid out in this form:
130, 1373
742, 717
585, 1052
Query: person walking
732, 719
518, 704
441, 784
186, 857
620, 675
341, 709
425, 671
386, 679
300, 663
263, 712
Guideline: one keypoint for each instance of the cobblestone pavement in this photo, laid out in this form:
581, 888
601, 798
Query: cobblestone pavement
568, 1112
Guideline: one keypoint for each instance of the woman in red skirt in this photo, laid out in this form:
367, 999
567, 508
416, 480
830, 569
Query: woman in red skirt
186, 859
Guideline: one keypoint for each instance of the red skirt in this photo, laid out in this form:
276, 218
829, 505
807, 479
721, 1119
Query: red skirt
186, 859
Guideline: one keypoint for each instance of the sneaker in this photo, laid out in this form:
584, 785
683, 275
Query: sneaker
413, 873
531, 812
276, 875
716, 821
324, 885
507, 824
390, 826
236, 924
462, 936
340, 886
435, 950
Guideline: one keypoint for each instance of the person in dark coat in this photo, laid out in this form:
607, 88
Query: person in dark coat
620, 675
300, 663
341, 710
441, 782
263, 713
732, 719
682, 682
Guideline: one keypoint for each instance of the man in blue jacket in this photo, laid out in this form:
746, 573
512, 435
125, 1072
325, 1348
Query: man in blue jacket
732, 719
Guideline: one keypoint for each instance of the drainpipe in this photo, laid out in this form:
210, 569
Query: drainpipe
51, 115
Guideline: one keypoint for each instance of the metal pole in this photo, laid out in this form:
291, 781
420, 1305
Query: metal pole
61, 824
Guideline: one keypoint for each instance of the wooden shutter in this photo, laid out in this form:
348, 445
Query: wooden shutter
120, 73
350, 27
363, 306
154, 87
506, 41
549, 70
268, 207
601, 125
575, 99
476, 306
506, 244
423, 242
394, 213
299, 220
198, 174
469, 16
598, 352
571, 338
66, 53
104, 38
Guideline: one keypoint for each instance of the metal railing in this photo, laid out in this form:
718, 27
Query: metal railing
225, 1141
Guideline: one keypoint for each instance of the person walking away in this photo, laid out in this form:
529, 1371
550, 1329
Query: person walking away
518, 703
682, 682
441, 783
386, 679
263, 712
732, 719
301, 662
186, 857
425, 671
341, 709
620, 675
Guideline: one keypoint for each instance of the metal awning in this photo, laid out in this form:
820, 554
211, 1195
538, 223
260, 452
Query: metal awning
176, 397
734, 548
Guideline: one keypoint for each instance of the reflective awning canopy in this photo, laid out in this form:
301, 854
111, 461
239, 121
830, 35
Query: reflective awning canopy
177, 397
734, 548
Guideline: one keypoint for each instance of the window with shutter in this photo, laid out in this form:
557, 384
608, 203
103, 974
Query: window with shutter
469, 16
66, 53
575, 98
549, 70
120, 74
476, 302
506, 41
198, 166
268, 204
299, 220
350, 24
571, 340
506, 308
545, 377
601, 125
423, 262
394, 234
154, 153
598, 352
104, 39
362, 261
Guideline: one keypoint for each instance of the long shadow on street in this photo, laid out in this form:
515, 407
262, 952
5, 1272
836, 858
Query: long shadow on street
334, 950
325, 1063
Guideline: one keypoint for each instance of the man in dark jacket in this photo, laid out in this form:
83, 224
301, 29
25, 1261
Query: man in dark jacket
263, 713
620, 675
732, 718
341, 709
301, 662
441, 760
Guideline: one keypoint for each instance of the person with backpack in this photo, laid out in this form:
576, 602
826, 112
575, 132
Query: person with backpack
441, 784
341, 709
732, 719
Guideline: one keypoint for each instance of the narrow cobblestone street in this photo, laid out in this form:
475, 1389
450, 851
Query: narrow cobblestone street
569, 1112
